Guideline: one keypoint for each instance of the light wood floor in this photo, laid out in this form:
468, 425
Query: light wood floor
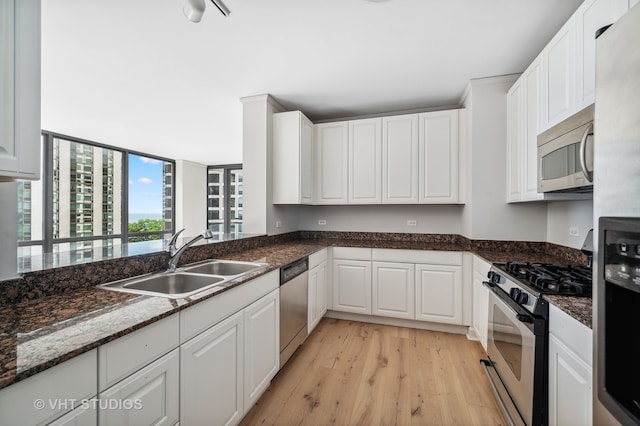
353, 373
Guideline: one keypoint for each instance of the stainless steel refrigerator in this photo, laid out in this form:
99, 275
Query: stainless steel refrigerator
616, 194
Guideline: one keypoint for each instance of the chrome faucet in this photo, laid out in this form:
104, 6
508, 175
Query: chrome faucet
175, 252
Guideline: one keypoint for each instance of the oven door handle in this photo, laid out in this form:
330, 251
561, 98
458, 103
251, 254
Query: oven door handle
538, 326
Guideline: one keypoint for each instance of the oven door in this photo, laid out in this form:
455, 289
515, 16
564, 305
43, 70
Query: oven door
511, 349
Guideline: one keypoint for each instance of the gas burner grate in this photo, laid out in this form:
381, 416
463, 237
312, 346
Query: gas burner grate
552, 278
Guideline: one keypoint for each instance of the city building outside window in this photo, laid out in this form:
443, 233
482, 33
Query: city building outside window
93, 197
224, 199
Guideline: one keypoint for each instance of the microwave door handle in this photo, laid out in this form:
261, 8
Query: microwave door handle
583, 153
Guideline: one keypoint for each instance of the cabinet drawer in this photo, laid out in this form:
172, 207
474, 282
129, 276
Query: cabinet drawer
198, 318
129, 353
60, 389
418, 256
352, 253
317, 258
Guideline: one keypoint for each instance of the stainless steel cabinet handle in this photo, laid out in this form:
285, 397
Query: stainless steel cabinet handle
583, 153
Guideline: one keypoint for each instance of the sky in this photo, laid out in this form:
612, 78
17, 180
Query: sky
145, 187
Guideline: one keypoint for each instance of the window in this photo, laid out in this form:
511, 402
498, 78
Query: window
92, 197
224, 199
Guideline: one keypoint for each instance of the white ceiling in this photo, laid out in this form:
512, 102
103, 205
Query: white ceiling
138, 74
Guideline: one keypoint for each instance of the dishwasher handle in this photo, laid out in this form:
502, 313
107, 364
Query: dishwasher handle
292, 270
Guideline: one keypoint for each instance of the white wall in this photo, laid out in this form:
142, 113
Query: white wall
191, 197
445, 219
487, 215
8, 230
561, 215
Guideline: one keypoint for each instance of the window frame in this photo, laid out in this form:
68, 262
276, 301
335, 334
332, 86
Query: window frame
227, 193
48, 241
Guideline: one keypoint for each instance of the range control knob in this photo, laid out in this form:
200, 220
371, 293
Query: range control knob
494, 277
518, 296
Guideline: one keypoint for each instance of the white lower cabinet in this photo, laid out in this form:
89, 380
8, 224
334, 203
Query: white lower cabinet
317, 293
439, 293
480, 300
393, 292
149, 396
419, 285
352, 286
211, 375
261, 346
570, 370
225, 369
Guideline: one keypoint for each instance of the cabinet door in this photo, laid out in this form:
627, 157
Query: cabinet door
322, 291
20, 89
569, 386
514, 142
292, 158
439, 293
211, 375
306, 161
480, 307
332, 153
590, 16
261, 346
400, 159
438, 164
532, 116
393, 292
149, 396
365, 161
352, 286
312, 311
559, 62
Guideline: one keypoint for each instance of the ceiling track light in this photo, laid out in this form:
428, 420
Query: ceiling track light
194, 9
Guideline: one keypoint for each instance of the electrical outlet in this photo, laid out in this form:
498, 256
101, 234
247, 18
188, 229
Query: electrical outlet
322, 222
278, 224
574, 231
412, 222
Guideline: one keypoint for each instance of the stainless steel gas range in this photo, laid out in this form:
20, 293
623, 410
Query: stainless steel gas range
517, 343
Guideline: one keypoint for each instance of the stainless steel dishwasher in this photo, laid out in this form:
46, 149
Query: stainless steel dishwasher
294, 296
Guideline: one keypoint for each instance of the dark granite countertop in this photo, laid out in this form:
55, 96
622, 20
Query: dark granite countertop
39, 334
41, 329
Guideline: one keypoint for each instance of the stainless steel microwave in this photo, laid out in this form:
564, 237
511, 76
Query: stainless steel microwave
565, 155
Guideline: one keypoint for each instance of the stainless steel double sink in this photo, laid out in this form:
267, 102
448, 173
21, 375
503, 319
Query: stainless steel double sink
187, 280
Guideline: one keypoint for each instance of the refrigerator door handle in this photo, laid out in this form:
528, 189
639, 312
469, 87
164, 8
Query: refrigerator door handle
583, 153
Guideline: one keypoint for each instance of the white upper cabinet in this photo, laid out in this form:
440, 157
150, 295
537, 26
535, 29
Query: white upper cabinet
292, 158
332, 162
438, 164
524, 111
592, 15
569, 60
560, 62
531, 117
20, 89
514, 142
365, 161
400, 159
